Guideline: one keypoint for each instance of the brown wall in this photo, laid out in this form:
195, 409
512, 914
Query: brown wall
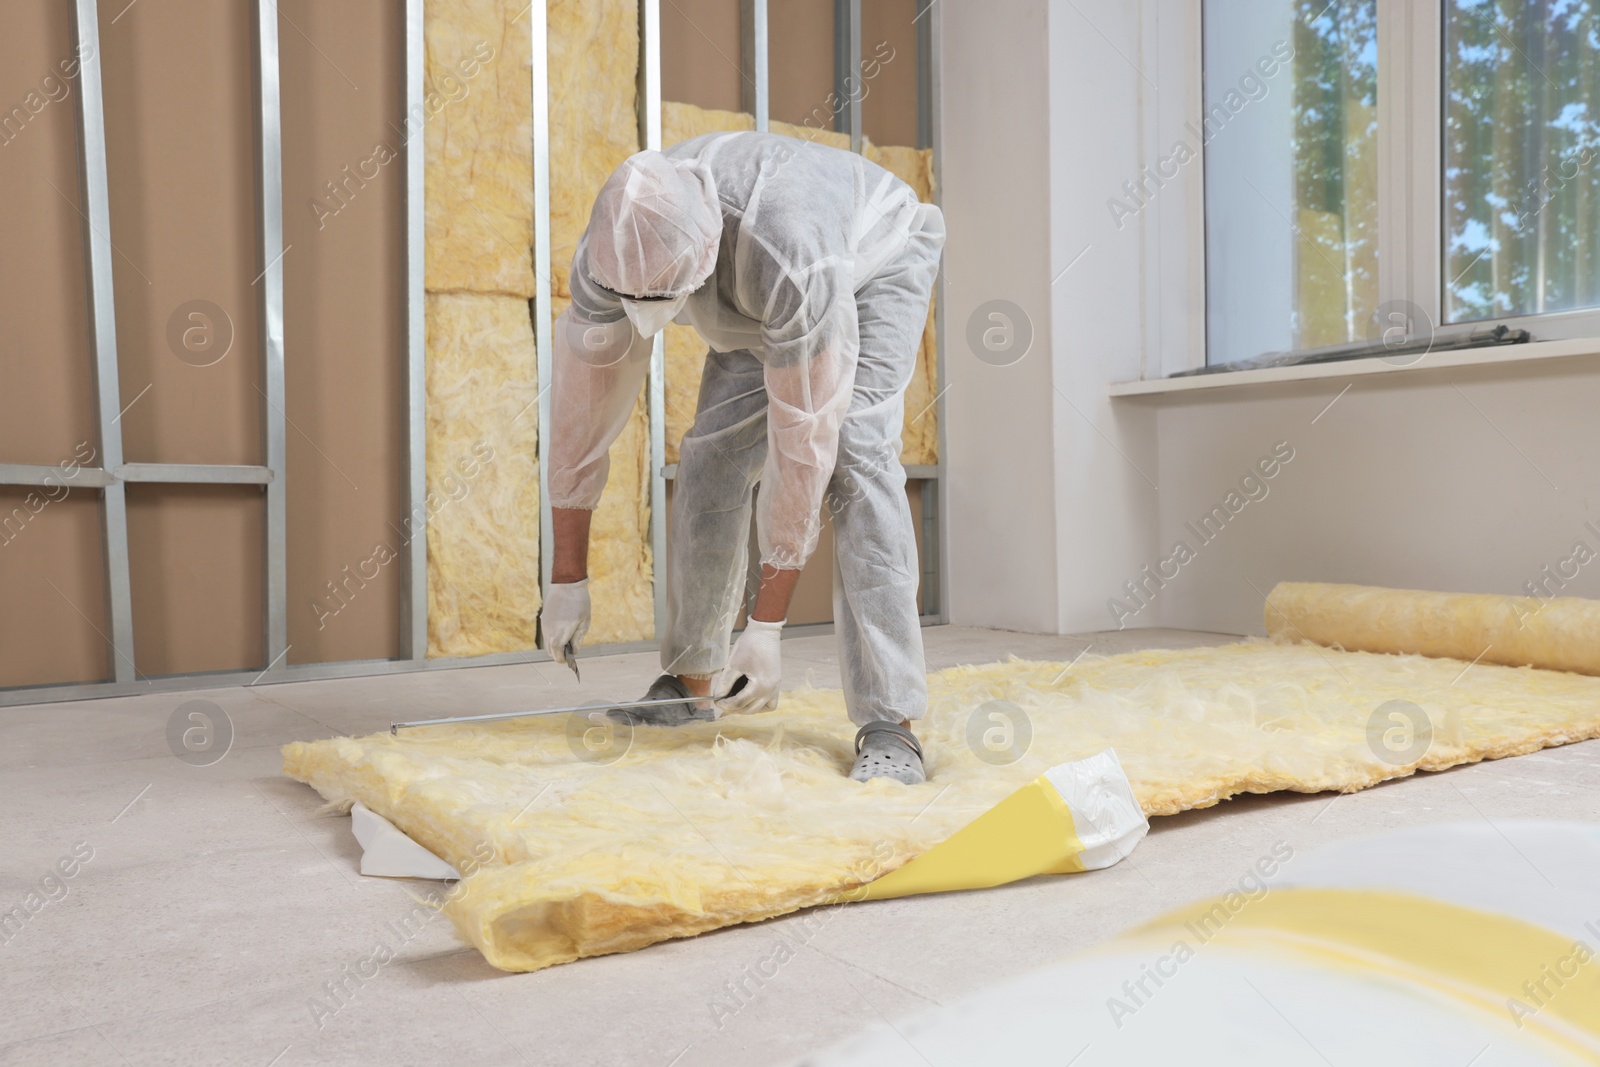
800, 61
46, 392
181, 160
344, 321
889, 72
700, 54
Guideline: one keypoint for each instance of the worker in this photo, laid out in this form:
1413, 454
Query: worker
807, 270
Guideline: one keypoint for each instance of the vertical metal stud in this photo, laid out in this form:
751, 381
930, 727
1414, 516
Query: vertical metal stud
269, 132
847, 69
649, 100
414, 577
753, 60
103, 333
538, 19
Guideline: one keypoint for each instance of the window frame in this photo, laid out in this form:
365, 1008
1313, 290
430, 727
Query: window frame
1411, 196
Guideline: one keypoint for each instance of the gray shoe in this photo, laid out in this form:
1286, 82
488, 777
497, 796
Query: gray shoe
691, 710
888, 750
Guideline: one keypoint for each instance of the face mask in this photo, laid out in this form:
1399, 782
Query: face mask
650, 317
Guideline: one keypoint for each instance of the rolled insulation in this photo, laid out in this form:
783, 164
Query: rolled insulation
1559, 634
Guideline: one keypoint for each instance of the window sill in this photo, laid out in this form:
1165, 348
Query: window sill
1431, 363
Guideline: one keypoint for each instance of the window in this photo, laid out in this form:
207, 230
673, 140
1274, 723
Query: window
1433, 164
1521, 144
1290, 127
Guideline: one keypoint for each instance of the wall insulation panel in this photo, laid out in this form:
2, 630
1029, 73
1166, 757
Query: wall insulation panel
482, 376
344, 325
478, 118
594, 49
483, 475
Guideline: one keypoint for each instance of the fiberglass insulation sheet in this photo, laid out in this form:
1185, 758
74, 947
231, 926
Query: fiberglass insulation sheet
711, 824
594, 47
484, 555
483, 475
478, 122
686, 352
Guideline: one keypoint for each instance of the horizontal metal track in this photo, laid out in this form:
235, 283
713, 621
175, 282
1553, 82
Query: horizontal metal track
33, 474
161, 473
313, 672
916, 472
194, 474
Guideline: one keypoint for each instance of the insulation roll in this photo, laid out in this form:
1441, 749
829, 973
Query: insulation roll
1559, 634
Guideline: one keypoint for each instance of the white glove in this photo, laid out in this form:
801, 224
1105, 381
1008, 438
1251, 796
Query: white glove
755, 656
565, 617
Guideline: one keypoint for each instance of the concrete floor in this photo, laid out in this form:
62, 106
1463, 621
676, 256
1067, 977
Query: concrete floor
217, 901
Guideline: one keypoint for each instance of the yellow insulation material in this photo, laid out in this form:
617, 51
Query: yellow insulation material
594, 50
686, 352
478, 123
712, 824
594, 47
483, 475
1559, 633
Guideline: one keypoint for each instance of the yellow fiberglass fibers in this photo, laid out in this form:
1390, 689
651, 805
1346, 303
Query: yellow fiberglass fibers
711, 824
478, 117
1558, 633
594, 47
482, 420
483, 475
594, 60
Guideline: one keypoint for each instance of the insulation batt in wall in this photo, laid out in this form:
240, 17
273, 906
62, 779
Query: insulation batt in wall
618, 852
483, 475
594, 48
478, 131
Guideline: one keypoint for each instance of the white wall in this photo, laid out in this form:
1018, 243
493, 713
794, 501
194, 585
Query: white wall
1052, 497
1402, 482
999, 443
1448, 482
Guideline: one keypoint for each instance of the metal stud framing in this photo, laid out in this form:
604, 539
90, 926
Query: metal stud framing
103, 335
542, 327
269, 148
847, 70
754, 83
414, 575
650, 137
114, 474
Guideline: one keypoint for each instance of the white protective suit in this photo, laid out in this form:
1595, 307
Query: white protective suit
812, 291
